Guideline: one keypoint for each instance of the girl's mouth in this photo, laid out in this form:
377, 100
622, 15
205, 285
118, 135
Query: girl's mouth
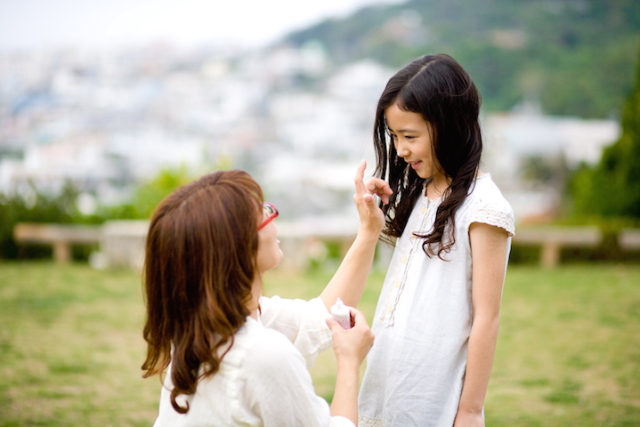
416, 165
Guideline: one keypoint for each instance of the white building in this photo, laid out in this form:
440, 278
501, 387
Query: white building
511, 138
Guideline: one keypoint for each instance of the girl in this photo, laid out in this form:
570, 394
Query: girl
233, 357
436, 323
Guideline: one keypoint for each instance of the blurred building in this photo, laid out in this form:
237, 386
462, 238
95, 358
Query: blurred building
529, 155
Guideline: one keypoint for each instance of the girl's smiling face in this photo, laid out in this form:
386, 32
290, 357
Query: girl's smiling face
412, 138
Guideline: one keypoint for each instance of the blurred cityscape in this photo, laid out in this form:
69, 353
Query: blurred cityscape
109, 120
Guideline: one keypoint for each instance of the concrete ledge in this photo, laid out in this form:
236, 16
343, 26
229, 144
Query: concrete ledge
306, 239
60, 236
123, 244
553, 239
629, 238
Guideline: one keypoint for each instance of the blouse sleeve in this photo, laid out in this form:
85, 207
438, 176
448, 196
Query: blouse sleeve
278, 387
302, 322
493, 209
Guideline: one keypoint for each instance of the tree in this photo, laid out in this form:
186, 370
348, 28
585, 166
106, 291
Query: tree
612, 188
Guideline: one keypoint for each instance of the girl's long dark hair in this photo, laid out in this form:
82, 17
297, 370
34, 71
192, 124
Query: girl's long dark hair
200, 264
439, 89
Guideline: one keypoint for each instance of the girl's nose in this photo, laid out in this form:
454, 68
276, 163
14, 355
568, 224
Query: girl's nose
402, 150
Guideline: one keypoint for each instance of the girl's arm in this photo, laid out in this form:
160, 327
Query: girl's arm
489, 258
351, 277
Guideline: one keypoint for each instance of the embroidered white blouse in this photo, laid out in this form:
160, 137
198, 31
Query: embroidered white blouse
415, 370
263, 380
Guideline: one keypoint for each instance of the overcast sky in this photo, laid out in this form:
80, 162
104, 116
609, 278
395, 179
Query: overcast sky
106, 23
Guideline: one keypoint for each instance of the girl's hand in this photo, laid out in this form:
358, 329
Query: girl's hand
371, 216
351, 345
380, 188
468, 419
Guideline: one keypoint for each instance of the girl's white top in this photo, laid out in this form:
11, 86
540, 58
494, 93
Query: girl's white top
415, 370
263, 380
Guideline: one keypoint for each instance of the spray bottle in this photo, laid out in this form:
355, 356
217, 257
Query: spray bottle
341, 314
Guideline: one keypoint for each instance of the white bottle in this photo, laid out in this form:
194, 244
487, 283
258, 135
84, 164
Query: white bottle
341, 314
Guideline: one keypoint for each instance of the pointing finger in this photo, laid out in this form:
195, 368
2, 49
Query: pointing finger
358, 180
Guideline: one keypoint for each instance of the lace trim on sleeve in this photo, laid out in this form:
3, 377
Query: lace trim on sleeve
369, 422
495, 218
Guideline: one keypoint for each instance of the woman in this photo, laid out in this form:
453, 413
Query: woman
233, 357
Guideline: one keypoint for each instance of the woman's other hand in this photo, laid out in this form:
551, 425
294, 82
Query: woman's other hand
351, 346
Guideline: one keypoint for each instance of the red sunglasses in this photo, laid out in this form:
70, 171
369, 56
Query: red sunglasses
272, 213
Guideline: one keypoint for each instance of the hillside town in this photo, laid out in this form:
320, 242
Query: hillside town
109, 120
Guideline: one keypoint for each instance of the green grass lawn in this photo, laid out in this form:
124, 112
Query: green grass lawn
71, 346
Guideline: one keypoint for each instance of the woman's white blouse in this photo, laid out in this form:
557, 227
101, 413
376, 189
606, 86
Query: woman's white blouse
263, 379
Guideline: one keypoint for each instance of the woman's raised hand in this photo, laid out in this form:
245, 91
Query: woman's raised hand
371, 216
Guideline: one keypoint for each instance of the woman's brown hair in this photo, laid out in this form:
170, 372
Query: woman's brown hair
200, 264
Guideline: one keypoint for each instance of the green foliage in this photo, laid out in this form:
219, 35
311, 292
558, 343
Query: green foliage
575, 57
147, 196
29, 204
612, 188
32, 205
